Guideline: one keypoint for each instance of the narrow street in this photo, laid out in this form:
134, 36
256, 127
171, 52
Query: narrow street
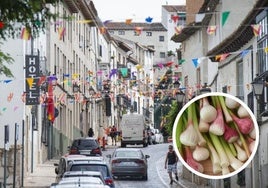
44, 175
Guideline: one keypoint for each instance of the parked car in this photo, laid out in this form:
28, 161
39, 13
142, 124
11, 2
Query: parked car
89, 182
129, 162
72, 174
88, 146
101, 166
61, 167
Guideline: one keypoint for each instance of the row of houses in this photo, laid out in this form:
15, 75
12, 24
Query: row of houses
224, 47
74, 76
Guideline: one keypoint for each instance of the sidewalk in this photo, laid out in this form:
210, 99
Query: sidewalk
42, 175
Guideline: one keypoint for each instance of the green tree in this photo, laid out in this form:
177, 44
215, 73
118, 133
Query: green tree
15, 14
171, 116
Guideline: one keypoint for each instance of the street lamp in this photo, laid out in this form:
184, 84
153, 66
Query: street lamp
180, 96
258, 86
205, 89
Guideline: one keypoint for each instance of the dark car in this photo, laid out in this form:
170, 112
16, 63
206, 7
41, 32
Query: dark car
88, 146
100, 166
129, 162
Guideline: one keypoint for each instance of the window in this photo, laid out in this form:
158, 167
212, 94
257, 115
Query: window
149, 34
162, 54
262, 57
161, 38
121, 32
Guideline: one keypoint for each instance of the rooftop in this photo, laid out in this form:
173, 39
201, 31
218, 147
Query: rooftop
146, 26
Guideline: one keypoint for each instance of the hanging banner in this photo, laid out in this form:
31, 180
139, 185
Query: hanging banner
32, 79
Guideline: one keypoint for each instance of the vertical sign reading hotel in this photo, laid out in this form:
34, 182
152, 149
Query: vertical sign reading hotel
31, 81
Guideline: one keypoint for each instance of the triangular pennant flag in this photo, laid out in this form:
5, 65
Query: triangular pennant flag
128, 21
84, 21
41, 80
266, 50
178, 29
25, 34
175, 18
149, 19
124, 71
106, 21
113, 72
138, 30
102, 30
195, 62
256, 29
2, 25
160, 65
30, 82
211, 29
181, 61
7, 81
224, 17
138, 67
221, 57
61, 32
244, 52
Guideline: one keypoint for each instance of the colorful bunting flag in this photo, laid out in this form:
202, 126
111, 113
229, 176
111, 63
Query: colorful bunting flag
124, 71
25, 34
178, 29
102, 30
61, 32
195, 62
149, 19
244, 52
266, 50
128, 21
2, 25
106, 21
138, 30
256, 29
211, 29
113, 72
221, 57
175, 18
84, 21
224, 17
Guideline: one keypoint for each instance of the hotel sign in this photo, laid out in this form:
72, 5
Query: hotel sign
32, 78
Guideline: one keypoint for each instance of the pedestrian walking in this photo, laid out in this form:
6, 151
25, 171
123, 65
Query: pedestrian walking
171, 164
90, 132
113, 134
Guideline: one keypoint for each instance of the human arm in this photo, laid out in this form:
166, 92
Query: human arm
166, 160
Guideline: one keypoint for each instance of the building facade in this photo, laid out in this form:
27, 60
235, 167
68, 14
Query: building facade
227, 59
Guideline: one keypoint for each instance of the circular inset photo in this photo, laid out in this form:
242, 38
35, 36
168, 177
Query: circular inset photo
215, 135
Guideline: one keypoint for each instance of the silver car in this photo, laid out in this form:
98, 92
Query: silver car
129, 162
73, 182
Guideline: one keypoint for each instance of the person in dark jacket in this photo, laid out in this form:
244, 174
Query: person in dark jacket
171, 163
90, 132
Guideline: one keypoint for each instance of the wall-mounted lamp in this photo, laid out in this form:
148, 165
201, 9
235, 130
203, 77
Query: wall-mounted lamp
176, 84
205, 89
180, 96
258, 86
76, 88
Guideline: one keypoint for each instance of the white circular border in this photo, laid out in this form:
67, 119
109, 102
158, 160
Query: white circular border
255, 126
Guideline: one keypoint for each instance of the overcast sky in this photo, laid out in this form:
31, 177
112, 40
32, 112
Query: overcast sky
137, 10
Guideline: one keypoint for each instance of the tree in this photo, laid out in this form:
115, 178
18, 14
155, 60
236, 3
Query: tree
171, 116
31, 14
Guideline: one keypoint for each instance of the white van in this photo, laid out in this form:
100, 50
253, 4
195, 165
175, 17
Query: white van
133, 129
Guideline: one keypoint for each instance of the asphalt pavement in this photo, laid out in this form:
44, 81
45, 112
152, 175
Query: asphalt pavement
44, 174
